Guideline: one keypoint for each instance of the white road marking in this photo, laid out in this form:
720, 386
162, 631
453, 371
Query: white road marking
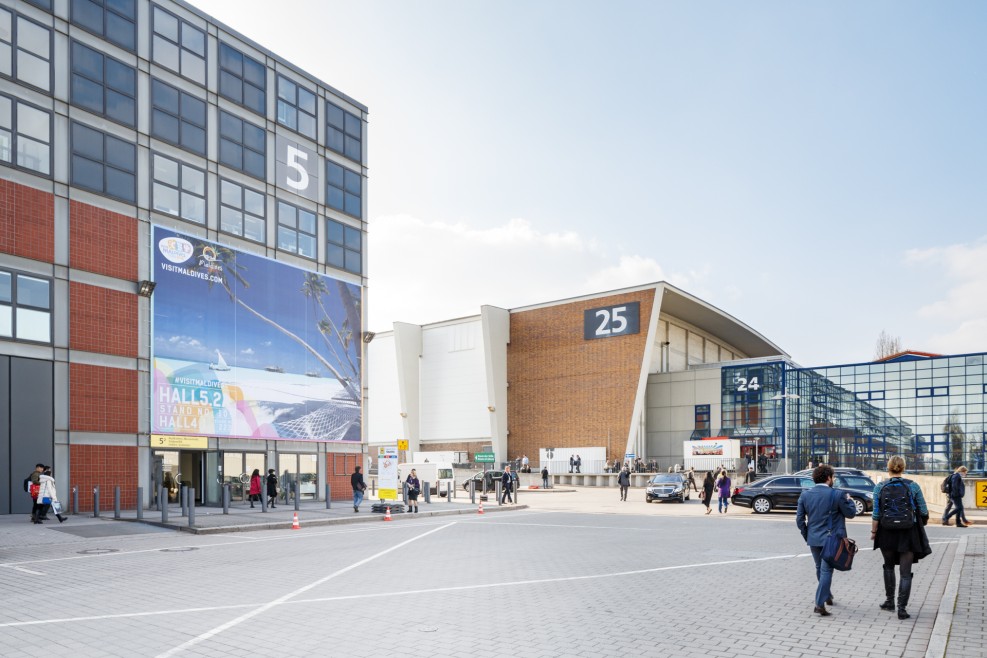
33, 573
290, 595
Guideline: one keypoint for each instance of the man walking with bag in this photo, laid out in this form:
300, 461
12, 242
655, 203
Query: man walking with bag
957, 489
822, 510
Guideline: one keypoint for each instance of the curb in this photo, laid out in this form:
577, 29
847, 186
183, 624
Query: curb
286, 525
944, 616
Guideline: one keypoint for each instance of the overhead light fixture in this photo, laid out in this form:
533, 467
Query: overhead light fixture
404, 415
145, 288
491, 408
368, 336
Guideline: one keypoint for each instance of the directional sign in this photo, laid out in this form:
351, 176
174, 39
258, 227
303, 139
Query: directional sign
403, 444
484, 457
629, 456
980, 486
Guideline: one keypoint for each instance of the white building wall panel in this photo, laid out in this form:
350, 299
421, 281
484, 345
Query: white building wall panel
383, 412
453, 383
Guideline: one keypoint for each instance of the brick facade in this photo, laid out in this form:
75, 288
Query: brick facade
102, 399
103, 241
339, 468
565, 391
27, 222
108, 467
103, 320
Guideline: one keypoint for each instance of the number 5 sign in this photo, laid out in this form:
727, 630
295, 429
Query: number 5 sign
297, 168
609, 321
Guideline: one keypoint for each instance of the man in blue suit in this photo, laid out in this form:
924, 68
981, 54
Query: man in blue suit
816, 507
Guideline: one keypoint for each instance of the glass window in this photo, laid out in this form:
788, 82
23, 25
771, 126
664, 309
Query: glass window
296, 107
178, 117
25, 307
242, 79
242, 145
241, 211
344, 132
103, 163
344, 247
344, 190
296, 230
179, 46
115, 20
25, 50
44, 4
103, 85
178, 189
25, 136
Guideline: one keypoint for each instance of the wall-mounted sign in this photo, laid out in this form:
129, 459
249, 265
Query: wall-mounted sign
610, 321
297, 168
172, 441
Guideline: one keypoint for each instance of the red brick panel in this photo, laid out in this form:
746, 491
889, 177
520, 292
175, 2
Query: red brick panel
102, 399
103, 320
565, 391
107, 467
339, 468
27, 222
102, 241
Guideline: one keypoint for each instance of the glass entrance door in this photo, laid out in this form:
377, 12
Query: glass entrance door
302, 468
237, 467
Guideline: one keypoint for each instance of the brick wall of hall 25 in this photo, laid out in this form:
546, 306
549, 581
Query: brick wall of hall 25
566, 391
108, 467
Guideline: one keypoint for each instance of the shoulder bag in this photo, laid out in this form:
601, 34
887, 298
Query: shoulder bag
838, 551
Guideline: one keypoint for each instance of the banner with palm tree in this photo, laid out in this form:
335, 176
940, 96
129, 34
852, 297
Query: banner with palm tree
249, 347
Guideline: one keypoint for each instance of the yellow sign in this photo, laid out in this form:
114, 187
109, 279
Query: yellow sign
172, 441
981, 489
402, 444
387, 494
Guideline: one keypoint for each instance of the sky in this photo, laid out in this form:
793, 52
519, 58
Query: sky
816, 170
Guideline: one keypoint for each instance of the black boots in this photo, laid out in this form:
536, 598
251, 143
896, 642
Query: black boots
888, 588
904, 589
61, 519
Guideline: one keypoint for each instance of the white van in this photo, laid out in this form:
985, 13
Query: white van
438, 475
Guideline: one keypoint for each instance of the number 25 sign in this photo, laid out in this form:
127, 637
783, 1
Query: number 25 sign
609, 321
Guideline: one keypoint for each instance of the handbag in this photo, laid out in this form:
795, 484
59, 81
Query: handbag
46, 501
35, 490
838, 550
56, 507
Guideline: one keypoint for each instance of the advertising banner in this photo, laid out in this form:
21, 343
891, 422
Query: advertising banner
387, 473
247, 347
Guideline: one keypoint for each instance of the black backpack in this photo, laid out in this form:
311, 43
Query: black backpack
897, 506
947, 484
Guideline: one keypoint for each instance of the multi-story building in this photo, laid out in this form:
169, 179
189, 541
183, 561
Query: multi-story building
182, 256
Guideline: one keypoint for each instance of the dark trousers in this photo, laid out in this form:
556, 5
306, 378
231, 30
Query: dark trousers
505, 494
623, 491
957, 511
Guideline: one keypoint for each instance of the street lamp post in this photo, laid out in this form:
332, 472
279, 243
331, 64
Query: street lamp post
784, 396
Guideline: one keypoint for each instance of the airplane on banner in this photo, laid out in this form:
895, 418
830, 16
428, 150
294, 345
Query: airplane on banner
221, 365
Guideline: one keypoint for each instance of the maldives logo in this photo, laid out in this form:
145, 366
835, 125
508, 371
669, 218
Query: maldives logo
177, 250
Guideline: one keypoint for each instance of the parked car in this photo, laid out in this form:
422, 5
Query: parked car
667, 486
489, 477
783, 491
847, 470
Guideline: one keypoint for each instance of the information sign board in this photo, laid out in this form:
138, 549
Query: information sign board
484, 457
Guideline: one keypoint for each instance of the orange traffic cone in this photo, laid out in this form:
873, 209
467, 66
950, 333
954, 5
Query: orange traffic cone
387, 514
294, 522
479, 510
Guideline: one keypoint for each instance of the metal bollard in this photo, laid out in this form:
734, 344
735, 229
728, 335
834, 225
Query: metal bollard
116, 502
226, 498
183, 500
428, 492
75, 500
163, 497
297, 487
472, 491
404, 493
191, 508
516, 486
328, 497
96, 501
497, 485
452, 485
140, 503
449, 491
263, 499
373, 487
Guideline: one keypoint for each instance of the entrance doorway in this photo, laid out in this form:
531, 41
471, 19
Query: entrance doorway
237, 467
302, 468
173, 469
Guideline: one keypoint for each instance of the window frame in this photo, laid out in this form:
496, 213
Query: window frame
242, 210
182, 120
180, 189
14, 305
15, 136
15, 49
243, 122
330, 186
103, 84
296, 106
241, 78
104, 191
180, 45
344, 133
330, 243
105, 32
297, 230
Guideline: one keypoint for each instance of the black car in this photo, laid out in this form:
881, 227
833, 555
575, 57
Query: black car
488, 478
667, 486
783, 491
840, 470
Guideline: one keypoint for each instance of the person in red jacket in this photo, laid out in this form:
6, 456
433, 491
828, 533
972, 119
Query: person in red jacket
255, 486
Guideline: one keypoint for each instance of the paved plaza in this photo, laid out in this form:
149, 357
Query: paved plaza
574, 574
